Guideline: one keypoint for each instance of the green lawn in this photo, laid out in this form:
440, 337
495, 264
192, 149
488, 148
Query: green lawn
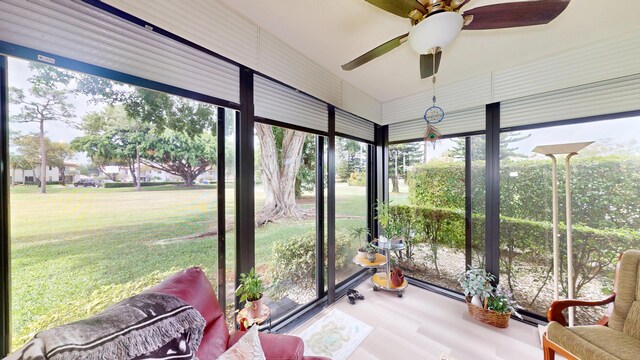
76, 250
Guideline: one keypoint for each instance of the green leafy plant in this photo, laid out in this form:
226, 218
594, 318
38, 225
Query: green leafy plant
477, 282
358, 233
501, 301
370, 249
251, 286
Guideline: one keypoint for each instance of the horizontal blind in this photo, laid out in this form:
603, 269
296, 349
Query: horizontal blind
82, 32
599, 98
277, 102
351, 125
456, 122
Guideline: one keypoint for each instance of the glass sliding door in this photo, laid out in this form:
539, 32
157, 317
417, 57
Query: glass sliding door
606, 210
352, 229
113, 188
285, 240
427, 197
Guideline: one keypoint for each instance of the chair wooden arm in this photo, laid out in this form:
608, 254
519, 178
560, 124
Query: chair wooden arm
555, 311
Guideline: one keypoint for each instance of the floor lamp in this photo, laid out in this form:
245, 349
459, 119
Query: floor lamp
551, 151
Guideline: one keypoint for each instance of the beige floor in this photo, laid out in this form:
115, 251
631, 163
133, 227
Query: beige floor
425, 325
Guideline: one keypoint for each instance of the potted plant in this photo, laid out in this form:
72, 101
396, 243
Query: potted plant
371, 252
476, 284
485, 302
357, 233
251, 289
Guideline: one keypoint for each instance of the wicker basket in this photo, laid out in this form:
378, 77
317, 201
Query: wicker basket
488, 316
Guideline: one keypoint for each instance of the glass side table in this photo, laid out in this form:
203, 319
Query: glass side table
382, 281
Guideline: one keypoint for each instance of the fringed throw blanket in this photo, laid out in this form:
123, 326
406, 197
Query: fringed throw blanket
146, 326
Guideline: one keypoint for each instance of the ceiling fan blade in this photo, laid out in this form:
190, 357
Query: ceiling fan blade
426, 64
457, 4
516, 14
401, 8
375, 52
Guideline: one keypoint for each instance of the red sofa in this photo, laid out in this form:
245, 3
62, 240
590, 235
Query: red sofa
193, 287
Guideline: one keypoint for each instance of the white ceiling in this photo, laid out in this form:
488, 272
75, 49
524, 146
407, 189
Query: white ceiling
333, 32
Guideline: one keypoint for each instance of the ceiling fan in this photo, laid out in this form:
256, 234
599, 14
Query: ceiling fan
436, 23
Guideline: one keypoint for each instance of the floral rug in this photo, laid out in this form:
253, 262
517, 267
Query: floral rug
336, 336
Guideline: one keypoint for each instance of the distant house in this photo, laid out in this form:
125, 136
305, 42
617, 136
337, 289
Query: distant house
29, 176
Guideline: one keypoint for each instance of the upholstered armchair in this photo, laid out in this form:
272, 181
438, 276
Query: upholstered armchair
615, 337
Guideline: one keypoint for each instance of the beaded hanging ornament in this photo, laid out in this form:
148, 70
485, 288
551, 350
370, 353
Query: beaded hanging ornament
434, 115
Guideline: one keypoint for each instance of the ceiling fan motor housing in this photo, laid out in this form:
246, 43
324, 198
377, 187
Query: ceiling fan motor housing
437, 30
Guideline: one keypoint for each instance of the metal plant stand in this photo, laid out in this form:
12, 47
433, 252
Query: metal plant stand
382, 281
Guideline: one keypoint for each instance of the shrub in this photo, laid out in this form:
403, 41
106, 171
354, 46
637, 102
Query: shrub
358, 179
294, 260
520, 240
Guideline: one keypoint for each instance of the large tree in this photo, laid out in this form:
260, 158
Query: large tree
280, 160
180, 154
28, 154
112, 139
349, 158
46, 101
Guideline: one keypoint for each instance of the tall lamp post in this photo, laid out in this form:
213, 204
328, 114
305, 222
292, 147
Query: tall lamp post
571, 149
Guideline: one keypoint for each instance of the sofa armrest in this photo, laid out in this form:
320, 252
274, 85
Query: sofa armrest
275, 346
555, 311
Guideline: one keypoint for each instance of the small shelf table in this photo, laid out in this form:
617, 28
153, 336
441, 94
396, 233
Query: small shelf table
363, 261
265, 315
383, 280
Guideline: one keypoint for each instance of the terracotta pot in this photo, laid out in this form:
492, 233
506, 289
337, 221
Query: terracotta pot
255, 308
397, 277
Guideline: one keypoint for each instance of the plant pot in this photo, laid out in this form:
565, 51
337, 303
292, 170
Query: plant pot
487, 316
395, 241
475, 300
255, 308
371, 257
362, 254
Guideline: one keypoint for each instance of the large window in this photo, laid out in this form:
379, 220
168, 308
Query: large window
285, 216
430, 179
352, 229
113, 188
606, 210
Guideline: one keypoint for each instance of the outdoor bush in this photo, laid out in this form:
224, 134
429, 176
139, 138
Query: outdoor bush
605, 190
143, 184
294, 260
521, 240
358, 179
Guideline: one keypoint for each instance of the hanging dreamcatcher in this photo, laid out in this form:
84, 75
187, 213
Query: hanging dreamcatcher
433, 116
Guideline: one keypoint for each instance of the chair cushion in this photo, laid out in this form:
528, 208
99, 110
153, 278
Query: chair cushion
594, 342
632, 323
275, 346
627, 289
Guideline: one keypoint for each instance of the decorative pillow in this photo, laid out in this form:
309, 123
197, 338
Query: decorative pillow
247, 348
146, 326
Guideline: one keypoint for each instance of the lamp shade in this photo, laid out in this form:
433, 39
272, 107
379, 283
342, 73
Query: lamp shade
438, 30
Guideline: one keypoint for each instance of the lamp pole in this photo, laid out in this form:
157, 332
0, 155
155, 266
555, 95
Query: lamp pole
550, 151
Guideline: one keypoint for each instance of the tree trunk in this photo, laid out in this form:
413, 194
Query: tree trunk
13, 176
61, 176
138, 167
279, 180
395, 185
43, 160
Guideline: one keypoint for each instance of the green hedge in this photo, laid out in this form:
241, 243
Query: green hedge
520, 240
294, 260
605, 191
112, 185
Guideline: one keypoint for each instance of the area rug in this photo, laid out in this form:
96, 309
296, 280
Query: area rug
336, 336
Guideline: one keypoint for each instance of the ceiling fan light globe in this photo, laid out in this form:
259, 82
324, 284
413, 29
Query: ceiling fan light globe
438, 30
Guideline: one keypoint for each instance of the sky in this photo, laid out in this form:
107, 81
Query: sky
620, 131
